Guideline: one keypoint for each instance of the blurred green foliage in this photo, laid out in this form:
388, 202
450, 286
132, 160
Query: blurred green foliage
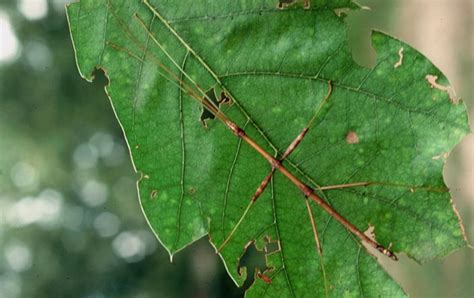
70, 221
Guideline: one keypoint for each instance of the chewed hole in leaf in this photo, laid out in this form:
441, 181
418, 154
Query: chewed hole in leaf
217, 101
254, 260
99, 76
285, 3
341, 12
206, 115
432, 80
271, 246
225, 99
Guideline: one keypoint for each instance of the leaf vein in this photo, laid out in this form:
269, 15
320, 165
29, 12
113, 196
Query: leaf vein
335, 84
277, 230
183, 155
358, 271
104, 34
229, 178
208, 68
137, 87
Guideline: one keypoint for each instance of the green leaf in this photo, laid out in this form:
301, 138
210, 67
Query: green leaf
388, 125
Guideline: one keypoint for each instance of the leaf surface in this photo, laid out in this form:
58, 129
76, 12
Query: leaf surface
385, 125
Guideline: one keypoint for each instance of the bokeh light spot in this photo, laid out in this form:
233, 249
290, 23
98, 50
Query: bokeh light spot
9, 45
85, 156
18, 257
10, 285
134, 246
44, 209
94, 193
24, 174
104, 143
38, 55
107, 224
33, 9
129, 246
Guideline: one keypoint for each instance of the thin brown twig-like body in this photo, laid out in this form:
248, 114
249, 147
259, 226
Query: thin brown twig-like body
307, 191
287, 152
293, 144
205, 100
319, 247
263, 185
261, 188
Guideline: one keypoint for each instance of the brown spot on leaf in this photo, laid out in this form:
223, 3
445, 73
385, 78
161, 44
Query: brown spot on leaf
253, 261
265, 278
352, 137
192, 190
400, 59
153, 194
448, 89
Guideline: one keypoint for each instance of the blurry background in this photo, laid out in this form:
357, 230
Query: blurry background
70, 222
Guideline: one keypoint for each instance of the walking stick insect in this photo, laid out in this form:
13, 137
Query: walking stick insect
197, 93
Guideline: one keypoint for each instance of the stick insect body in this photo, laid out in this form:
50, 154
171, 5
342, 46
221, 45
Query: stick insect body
197, 93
